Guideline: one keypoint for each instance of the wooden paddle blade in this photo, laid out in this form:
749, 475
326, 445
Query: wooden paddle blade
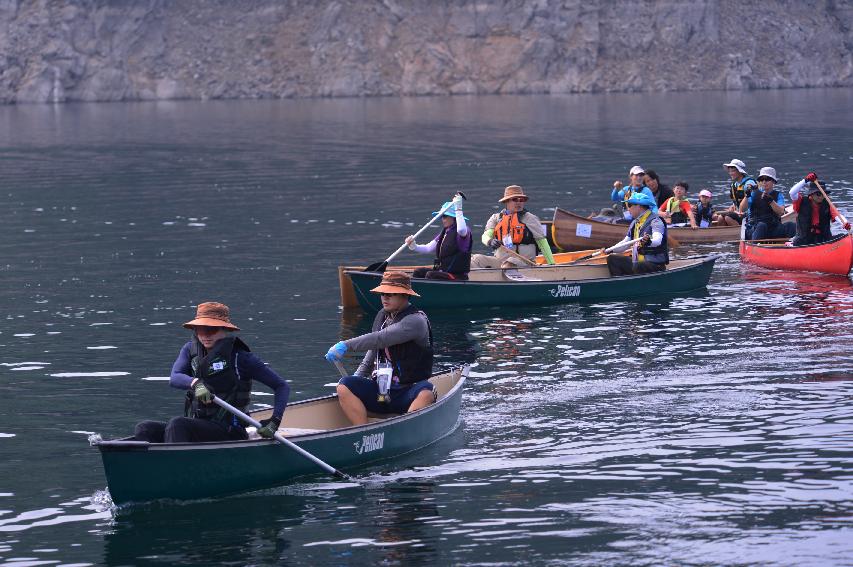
377, 267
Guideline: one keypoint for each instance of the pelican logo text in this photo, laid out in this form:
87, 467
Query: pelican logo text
566, 291
370, 443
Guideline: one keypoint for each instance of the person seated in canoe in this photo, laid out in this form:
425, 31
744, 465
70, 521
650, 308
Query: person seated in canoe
814, 214
740, 183
394, 375
515, 228
765, 207
650, 253
621, 194
703, 211
215, 363
660, 191
452, 246
677, 209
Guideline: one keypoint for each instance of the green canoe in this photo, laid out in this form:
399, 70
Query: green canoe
139, 471
542, 285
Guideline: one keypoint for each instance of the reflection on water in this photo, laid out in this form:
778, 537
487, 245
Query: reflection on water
708, 428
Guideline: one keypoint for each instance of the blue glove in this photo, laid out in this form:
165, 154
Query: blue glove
336, 353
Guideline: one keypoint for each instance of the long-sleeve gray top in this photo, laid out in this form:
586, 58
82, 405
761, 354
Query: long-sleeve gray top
412, 328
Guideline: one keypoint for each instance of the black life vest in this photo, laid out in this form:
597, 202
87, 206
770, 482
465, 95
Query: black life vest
805, 228
704, 213
512, 224
761, 211
736, 190
218, 370
449, 257
658, 254
411, 362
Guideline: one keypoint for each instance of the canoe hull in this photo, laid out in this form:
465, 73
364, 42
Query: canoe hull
574, 232
833, 257
434, 294
139, 472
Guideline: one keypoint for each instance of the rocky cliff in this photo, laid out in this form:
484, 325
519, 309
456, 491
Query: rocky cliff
90, 50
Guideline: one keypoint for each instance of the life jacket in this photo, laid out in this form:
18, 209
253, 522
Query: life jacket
673, 207
449, 257
658, 254
805, 228
411, 362
736, 190
761, 211
512, 224
218, 371
704, 214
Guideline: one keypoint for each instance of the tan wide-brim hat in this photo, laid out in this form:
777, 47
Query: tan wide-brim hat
212, 314
395, 282
512, 192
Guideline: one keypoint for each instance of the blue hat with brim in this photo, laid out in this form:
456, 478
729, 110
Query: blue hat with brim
451, 212
642, 199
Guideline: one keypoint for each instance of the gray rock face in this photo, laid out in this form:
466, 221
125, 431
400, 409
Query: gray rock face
102, 50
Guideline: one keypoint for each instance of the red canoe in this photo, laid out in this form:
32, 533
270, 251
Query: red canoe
833, 257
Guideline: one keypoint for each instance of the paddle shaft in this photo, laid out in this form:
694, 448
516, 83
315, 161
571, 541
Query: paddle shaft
605, 251
341, 369
280, 438
517, 256
840, 218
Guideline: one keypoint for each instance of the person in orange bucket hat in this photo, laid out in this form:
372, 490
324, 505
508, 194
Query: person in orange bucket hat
399, 353
215, 363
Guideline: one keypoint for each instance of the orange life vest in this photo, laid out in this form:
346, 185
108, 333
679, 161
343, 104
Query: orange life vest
511, 224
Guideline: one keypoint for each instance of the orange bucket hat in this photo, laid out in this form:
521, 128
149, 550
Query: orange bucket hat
212, 314
395, 282
512, 192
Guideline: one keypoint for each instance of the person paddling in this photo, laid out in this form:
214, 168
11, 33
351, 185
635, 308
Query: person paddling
399, 351
515, 228
215, 363
651, 253
741, 183
814, 214
452, 246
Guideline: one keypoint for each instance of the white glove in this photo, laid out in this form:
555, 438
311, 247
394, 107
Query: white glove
457, 202
410, 241
507, 241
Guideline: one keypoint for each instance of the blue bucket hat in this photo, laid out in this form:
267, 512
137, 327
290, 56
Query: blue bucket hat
451, 212
642, 199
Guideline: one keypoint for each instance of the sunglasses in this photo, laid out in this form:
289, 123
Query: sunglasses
767, 179
200, 330
389, 294
517, 199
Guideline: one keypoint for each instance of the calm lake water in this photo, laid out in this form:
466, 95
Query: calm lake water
712, 429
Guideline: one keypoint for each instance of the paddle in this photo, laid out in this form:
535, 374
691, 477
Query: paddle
604, 251
382, 266
280, 438
840, 218
517, 256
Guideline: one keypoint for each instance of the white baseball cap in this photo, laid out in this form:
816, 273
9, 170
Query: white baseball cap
705, 193
768, 172
636, 170
736, 163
